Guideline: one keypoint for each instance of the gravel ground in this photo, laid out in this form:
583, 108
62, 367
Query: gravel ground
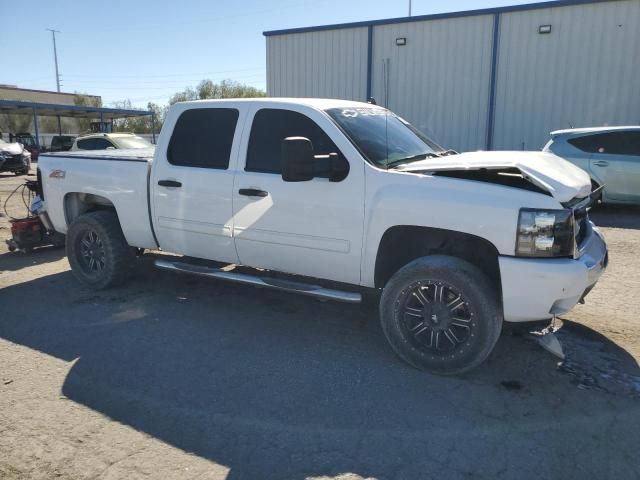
176, 377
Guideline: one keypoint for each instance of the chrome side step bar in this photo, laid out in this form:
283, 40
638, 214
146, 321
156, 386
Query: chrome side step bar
275, 283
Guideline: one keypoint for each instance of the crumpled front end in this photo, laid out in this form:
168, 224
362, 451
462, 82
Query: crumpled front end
536, 288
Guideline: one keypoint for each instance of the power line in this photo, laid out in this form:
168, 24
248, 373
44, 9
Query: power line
168, 74
178, 82
245, 14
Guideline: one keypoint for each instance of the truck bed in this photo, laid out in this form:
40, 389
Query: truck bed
122, 176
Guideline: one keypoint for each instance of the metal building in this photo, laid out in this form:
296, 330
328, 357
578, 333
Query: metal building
499, 78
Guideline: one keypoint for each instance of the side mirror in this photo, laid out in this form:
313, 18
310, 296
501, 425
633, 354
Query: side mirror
299, 164
297, 159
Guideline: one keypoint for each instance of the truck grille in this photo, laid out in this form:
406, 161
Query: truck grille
581, 226
13, 161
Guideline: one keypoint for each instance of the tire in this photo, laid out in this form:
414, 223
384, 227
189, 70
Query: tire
97, 250
440, 314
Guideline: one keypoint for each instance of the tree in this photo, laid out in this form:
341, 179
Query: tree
225, 89
205, 89
84, 100
15, 123
139, 124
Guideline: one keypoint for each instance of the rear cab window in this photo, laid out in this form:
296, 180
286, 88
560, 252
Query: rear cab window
203, 138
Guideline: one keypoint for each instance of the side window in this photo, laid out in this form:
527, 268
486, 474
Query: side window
270, 127
101, 144
86, 144
626, 143
203, 138
616, 143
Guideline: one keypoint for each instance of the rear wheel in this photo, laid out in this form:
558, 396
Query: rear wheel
97, 250
440, 314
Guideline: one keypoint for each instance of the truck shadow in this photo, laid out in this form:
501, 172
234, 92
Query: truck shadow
13, 261
616, 216
279, 386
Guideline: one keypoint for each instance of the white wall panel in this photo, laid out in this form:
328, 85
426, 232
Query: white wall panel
439, 81
586, 72
324, 64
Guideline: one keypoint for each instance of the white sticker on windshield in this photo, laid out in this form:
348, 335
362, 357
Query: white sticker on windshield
349, 113
365, 112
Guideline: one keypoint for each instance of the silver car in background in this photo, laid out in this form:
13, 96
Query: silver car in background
610, 155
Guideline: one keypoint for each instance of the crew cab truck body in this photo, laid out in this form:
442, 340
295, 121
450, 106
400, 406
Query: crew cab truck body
345, 197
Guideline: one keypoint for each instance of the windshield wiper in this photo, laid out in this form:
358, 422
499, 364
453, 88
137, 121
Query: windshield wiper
413, 158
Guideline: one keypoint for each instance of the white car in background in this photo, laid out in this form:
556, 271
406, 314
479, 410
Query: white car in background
107, 141
610, 155
14, 158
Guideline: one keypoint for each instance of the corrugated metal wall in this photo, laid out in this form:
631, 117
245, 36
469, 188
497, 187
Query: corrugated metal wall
326, 64
585, 73
439, 80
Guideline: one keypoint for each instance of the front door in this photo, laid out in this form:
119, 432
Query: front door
192, 184
311, 228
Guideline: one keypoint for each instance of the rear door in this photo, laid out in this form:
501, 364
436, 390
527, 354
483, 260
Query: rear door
615, 162
192, 182
311, 228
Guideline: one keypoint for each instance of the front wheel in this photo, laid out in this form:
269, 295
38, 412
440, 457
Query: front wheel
440, 314
97, 250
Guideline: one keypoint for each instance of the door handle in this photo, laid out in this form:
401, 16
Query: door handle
169, 183
252, 192
601, 163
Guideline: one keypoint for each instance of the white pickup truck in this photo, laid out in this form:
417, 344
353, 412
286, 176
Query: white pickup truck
334, 199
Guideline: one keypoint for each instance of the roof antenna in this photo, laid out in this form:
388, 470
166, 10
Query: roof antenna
371, 101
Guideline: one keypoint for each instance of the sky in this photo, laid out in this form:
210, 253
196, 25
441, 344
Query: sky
146, 50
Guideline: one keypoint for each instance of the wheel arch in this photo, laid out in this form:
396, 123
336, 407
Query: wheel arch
402, 244
77, 203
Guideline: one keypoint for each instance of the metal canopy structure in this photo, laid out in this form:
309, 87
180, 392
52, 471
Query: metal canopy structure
15, 107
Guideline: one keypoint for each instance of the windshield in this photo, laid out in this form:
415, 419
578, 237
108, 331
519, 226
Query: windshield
133, 142
385, 139
26, 141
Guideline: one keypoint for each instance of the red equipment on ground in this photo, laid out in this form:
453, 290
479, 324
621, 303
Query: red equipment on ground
31, 231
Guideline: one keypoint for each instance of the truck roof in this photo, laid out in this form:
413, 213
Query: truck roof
319, 103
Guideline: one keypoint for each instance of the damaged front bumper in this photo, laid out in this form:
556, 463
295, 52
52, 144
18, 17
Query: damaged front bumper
535, 289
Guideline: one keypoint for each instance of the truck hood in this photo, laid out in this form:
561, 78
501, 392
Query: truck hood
548, 172
11, 148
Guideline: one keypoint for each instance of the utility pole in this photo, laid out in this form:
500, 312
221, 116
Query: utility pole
409, 9
55, 59
55, 55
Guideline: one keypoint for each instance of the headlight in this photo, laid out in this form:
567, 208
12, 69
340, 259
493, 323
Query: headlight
545, 233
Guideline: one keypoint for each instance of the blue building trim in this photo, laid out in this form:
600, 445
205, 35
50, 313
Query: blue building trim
437, 16
52, 109
492, 80
369, 60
